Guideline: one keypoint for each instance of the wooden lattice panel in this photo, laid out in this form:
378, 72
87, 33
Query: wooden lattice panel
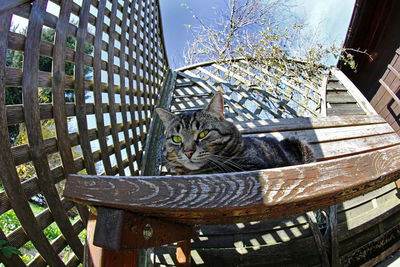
83, 99
386, 100
252, 90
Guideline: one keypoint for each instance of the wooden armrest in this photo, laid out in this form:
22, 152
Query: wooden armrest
241, 196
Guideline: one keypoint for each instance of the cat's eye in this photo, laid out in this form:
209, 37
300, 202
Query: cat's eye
177, 139
203, 134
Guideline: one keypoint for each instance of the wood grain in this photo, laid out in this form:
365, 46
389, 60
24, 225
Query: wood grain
11, 185
97, 85
111, 88
124, 106
59, 112
30, 100
80, 89
241, 196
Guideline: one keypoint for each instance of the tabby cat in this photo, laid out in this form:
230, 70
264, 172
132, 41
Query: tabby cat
204, 142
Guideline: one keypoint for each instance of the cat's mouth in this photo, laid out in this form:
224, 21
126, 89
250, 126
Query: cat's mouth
193, 165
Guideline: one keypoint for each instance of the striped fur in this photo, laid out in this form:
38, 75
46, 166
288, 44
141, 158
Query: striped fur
204, 142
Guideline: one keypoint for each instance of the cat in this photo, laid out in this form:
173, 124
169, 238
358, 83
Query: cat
204, 142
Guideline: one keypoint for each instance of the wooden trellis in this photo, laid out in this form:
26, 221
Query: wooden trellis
254, 90
127, 64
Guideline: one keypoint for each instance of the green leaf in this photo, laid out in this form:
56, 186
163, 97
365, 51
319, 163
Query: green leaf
9, 251
3, 243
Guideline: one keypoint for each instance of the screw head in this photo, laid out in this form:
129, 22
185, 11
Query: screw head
147, 232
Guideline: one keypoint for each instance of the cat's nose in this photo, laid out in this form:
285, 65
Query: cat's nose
189, 153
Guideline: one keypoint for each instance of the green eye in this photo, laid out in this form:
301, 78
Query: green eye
177, 139
203, 134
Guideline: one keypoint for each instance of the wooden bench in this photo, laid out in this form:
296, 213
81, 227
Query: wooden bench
355, 155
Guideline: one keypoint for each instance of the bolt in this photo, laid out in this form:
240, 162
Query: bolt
147, 232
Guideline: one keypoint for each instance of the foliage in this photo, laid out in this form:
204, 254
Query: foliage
7, 250
259, 30
9, 221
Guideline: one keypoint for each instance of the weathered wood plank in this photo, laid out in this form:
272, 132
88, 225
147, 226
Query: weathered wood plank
60, 118
279, 125
339, 97
146, 70
242, 196
366, 220
80, 88
335, 260
124, 106
332, 134
362, 247
323, 90
9, 176
132, 64
30, 100
350, 147
139, 69
319, 240
353, 90
111, 90
97, 92
153, 158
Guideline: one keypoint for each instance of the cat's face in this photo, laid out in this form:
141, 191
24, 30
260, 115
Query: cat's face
194, 140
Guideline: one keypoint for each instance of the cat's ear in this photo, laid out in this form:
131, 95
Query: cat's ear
165, 116
216, 106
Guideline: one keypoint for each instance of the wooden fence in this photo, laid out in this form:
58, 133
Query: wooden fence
103, 62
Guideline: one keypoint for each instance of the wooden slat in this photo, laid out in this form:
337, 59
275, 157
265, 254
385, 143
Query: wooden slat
97, 93
139, 68
30, 93
145, 67
242, 196
323, 94
15, 113
124, 106
153, 158
345, 148
291, 124
11, 185
59, 112
80, 88
339, 97
352, 227
319, 240
353, 90
389, 90
131, 78
335, 260
111, 91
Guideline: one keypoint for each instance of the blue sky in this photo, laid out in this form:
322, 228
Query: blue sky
330, 17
